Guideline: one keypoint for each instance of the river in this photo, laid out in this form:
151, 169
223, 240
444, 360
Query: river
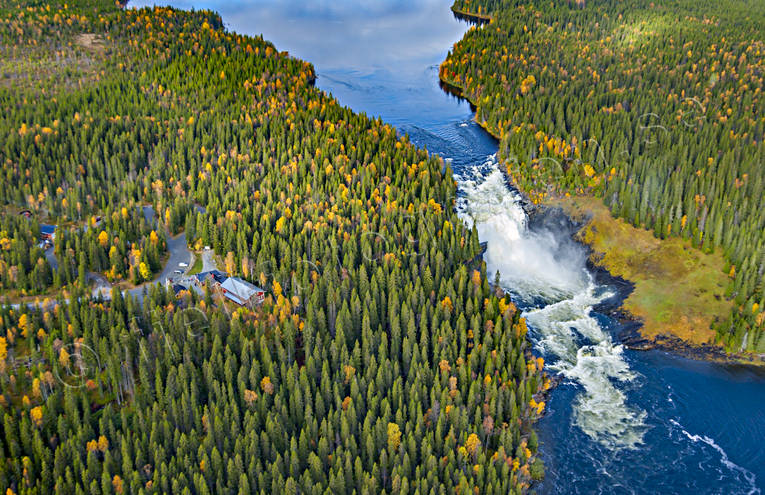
621, 421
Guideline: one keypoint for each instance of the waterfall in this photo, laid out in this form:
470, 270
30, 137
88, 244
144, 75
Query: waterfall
547, 274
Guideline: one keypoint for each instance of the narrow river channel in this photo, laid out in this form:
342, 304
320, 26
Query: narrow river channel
621, 421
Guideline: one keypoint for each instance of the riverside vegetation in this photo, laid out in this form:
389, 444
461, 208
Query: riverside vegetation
654, 109
381, 361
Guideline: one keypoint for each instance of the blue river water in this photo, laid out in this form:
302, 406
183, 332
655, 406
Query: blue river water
621, 421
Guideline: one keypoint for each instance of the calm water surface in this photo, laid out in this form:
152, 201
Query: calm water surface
621, 421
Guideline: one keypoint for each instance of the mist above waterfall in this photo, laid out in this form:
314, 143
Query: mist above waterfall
540, 264
546, 271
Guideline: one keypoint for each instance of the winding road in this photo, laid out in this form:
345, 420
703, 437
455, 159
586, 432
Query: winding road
178, 253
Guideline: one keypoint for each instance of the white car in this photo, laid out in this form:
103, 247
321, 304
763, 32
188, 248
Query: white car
183, 265
178, 272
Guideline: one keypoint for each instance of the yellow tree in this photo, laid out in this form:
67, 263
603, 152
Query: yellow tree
63, 358
103, 238
3, 352
103, 443
349, 372
36, 415
472, 444
230, 263
117, 484
24, 324
143, 269
280, 224
476, 278
394, 436
447, 303
444, 366
266, 385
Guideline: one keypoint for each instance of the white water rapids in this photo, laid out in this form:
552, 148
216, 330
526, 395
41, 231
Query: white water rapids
550, 277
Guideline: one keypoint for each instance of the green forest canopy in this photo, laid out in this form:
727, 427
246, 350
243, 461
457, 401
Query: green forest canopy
380, 362
654, 107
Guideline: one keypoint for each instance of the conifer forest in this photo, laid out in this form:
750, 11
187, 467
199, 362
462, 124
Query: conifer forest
215, 278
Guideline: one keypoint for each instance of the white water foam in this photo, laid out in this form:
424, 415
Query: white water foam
528, 262
539, 267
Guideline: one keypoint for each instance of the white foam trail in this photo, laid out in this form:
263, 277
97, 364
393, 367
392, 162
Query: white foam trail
749, 476
537, 266
587, 355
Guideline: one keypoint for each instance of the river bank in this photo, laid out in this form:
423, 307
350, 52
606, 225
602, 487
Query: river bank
471, 17
679, 291
561, 216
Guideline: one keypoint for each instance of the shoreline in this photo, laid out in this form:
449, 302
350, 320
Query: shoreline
634, 335
471, 16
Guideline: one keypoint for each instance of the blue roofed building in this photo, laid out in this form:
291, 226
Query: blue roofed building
212, 277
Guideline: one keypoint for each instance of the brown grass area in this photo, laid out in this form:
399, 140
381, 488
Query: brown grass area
679, 290
90, 41
52, 66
